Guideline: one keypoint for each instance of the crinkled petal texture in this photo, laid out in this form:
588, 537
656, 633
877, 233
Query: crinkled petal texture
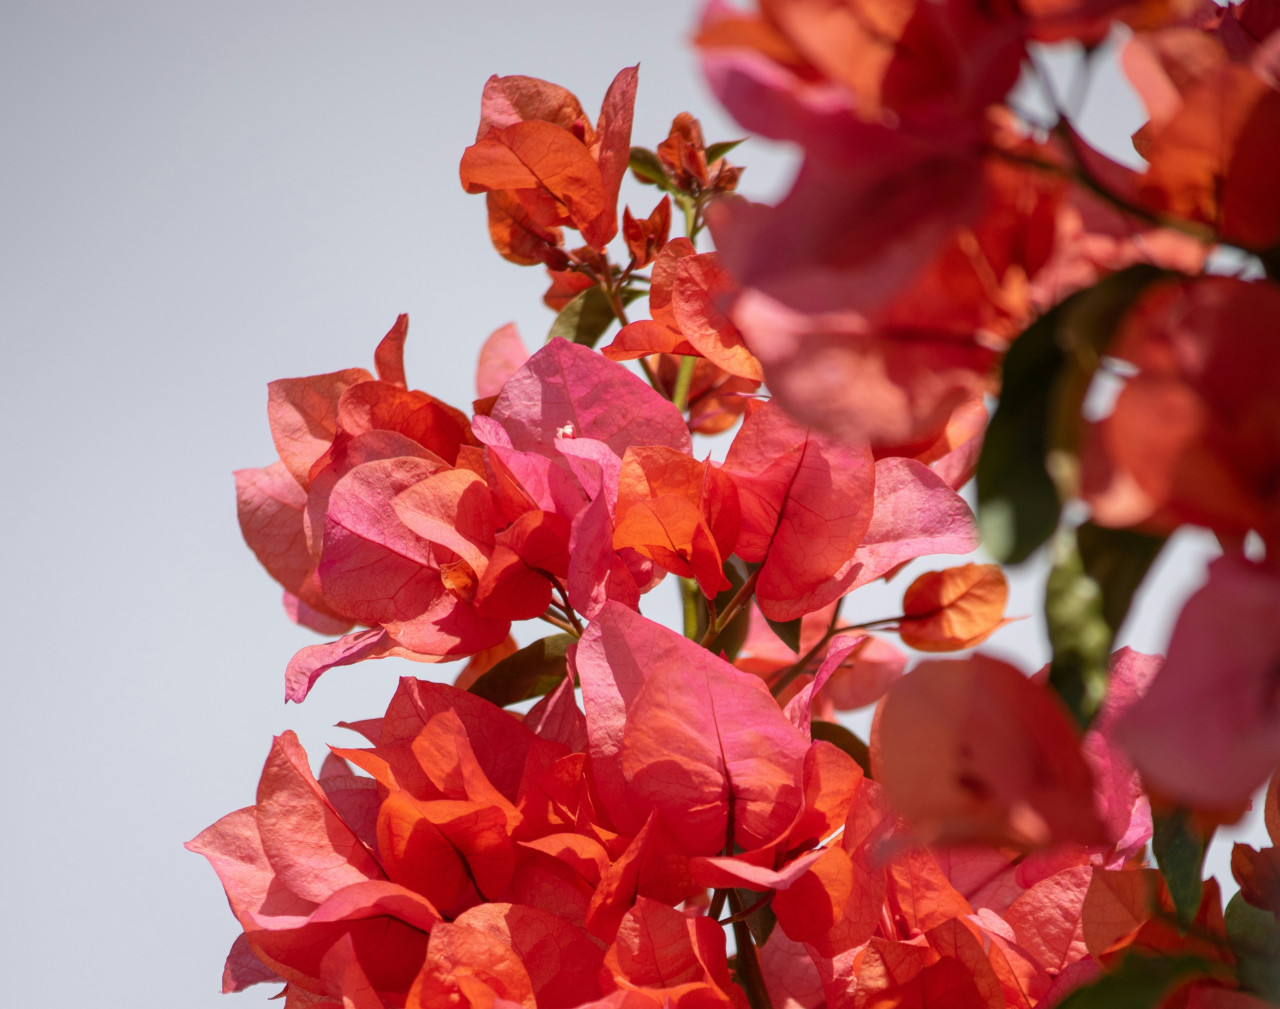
678, 959
854, 381
306, 887
1218, 687
974, 751
543, 165
572, 391
806, 503
675, 729
957, 608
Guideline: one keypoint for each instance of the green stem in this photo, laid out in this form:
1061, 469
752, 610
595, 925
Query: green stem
684, 381
690, 209
689, 601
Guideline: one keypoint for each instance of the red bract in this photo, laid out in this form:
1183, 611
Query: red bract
1211, 143
806, 503
1194, 435
686, 300
1227, 627
544, 166
972, 750
301, 881
325, 520
676, 729
983, 851
1258, 872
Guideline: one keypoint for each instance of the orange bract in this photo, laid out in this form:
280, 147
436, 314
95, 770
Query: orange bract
953, 609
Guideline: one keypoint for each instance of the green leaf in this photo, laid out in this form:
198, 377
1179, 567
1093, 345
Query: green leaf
761, 920
1254, 935
1179, 852
1139, 982
531, 672
717, 151
1118, 560
788, 632
1078, 632
1028, 463
585, 319
1018, 504
647, 168
838, 735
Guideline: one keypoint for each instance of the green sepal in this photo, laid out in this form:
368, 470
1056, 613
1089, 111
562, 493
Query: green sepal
647, 168
718, 150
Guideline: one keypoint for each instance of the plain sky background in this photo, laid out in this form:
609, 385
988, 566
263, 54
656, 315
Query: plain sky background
196, 199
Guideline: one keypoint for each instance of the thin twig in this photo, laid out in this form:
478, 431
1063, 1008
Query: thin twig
564, 604
747, 912
563, 625
740, 599
799, 666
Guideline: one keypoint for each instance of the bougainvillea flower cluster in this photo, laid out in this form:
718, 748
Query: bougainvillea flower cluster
603, 811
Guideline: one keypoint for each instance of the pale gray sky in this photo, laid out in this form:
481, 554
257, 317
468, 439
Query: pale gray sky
196, 199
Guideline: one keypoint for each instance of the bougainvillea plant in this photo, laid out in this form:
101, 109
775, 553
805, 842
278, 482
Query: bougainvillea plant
625, 814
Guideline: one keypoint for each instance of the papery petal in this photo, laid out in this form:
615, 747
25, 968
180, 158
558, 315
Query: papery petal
865, 675
305, 615
459, 956
304, 417
954, 608
453, 853
501, 356
661, 951
270, 504
243, 968
311, 849
699, 737
973, 750
381, 406
701, 290
1227, 629
388, 358
562, 962
534, 155
566, 386
612, 150
856, 382
675, 728
372, 565
309, 663
806, 503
